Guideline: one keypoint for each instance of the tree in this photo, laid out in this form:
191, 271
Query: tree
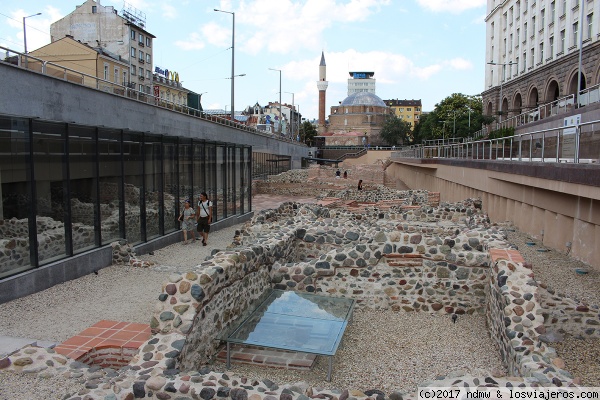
308, 133
396, 131
458, 115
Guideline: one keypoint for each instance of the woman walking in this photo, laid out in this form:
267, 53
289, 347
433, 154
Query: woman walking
204, 212
188, 218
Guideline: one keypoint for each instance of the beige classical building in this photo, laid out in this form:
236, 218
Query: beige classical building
121, 33
167, 87
532, 52
76, 56
407, 110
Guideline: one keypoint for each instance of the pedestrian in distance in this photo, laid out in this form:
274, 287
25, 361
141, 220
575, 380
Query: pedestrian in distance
204, 213
188, 219
359, 185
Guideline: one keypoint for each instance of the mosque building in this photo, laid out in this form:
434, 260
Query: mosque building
357, 120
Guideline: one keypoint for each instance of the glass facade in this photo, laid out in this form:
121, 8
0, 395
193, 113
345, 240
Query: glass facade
68, 188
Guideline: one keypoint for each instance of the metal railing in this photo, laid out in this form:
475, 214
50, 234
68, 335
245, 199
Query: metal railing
58, 71
562, 105
575, 144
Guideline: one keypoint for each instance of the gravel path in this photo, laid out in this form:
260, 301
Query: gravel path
557, 270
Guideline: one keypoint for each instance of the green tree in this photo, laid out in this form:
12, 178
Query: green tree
396, 131
308, 133
458, 115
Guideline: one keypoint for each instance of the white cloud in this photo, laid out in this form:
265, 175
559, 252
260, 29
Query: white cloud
169, 11
460, 64
480, 20
38, 27
193, 42
388, 67
217, 35
452, 6
280, 26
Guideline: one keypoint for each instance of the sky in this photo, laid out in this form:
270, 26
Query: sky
418, 49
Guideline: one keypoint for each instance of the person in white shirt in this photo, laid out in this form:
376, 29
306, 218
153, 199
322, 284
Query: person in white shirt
204, 214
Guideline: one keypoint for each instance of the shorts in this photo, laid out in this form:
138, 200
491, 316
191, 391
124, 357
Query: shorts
203, 225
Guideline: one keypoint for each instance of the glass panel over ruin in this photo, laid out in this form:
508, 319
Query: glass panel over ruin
296, 321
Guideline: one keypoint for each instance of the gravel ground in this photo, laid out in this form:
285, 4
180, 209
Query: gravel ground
391, 351
557, 270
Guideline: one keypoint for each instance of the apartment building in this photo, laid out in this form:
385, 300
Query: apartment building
121, 33
77, 56
407, 110
532, 52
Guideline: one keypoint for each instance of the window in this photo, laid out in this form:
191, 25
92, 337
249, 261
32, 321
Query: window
526, 5
564, 7
533, 26
141, 71
511, 15
542, 18
532, 56
562, 41
141, 39
418, 109
517, 64
492, 29
510, 43
524, 61
505, 20
575, 27
116, 77
105, 72
133, 51
148, 59
542, 52
590, 18
524, 31
518, 35
402, 110
148, 74
124, 78
142, 88
147, 89
551, 46
94, 9
504, 47
552, 11
132, 34
133, 69
147, 41
141, 55
409, 109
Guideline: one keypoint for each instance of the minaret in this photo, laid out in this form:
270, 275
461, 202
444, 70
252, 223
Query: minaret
322, 86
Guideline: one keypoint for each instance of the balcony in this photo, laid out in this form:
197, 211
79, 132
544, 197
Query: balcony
141, 60
141, 77
141, 44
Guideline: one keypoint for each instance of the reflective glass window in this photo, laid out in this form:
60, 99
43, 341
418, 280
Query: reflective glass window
133, 185
16, 196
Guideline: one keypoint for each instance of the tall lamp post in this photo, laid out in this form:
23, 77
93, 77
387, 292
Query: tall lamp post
280, 114
501, 81
25, 35
292, 115
232, 61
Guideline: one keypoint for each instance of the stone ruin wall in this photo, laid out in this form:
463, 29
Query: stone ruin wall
230, 284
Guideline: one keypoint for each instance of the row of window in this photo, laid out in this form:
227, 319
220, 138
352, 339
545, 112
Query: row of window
141, 38
148, 58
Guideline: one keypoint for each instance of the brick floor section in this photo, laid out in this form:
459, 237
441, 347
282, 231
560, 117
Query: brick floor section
123, 336
268, 357
509, 255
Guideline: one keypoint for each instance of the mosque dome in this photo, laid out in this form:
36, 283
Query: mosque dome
363, 99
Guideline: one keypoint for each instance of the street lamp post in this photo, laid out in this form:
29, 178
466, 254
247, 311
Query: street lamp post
501, 81
25, 36
232, 61
292, 115
280, 114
